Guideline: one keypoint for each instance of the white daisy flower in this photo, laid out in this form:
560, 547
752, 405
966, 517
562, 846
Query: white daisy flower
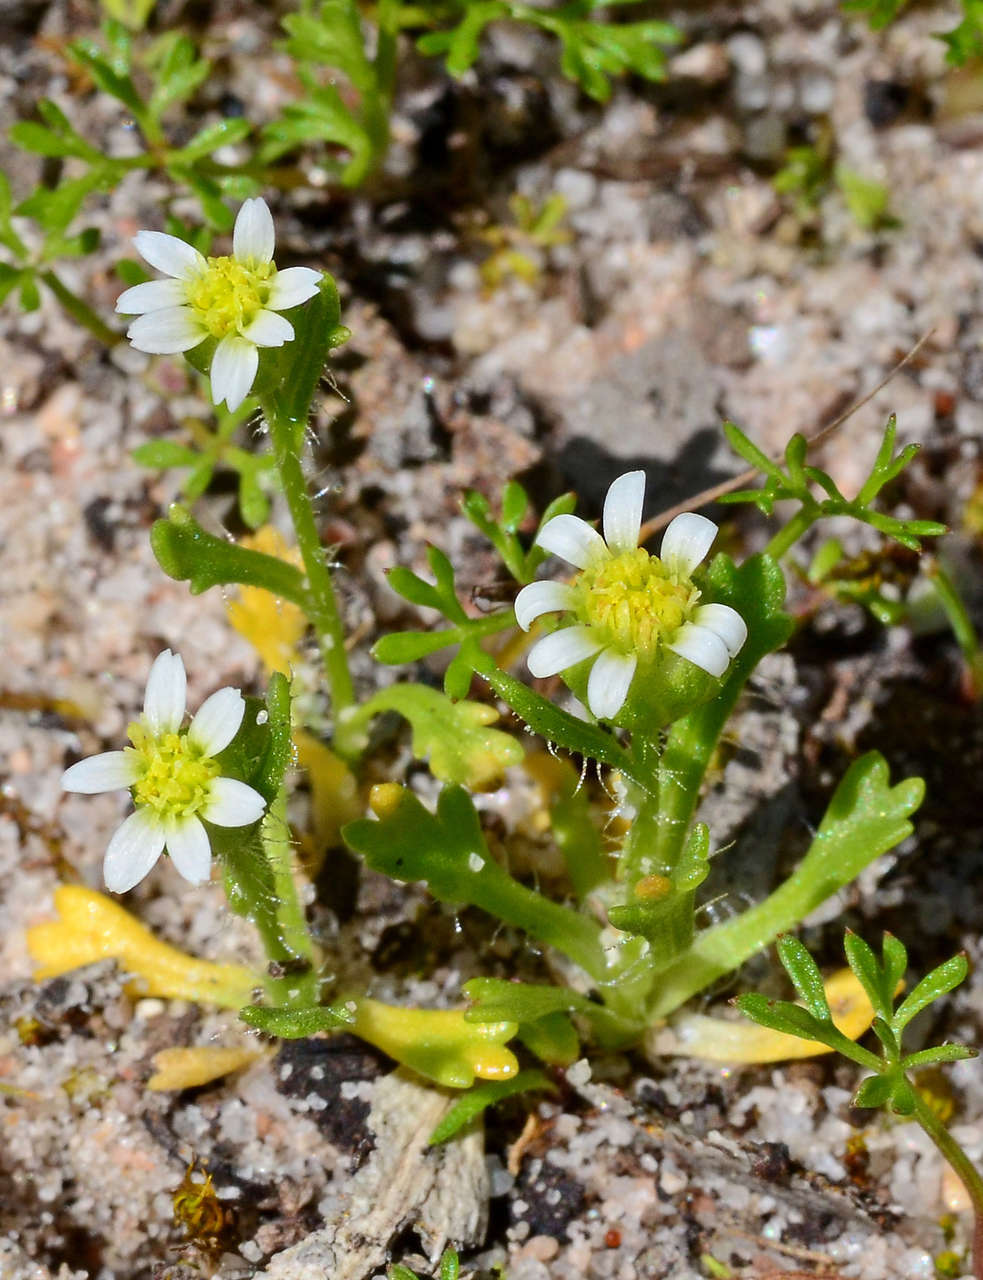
627, 605
174, 779
234, 299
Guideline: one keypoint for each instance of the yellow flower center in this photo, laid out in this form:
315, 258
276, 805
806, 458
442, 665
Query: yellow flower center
229, 295
175, 778
634, 602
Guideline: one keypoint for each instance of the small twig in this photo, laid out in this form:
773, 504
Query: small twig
739, 481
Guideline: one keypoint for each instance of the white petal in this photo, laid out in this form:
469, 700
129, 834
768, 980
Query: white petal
187, 843
269, 330
542, 597
165, 332
686, 542
234, 366
607, 685
702, 648
254, 236
217, 721
623, 511
111, 771
169, 254
561, 650
133, 850
724, 622
233, 804
573, 539
155, 295
292, 287
165, 698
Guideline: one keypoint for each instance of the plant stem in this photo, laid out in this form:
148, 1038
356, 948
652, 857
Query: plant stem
299, 989
786, 538
80, 311
639, 854
322, 603
964, 1168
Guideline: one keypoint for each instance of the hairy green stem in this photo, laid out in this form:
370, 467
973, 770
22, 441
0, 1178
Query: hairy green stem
640, 852
964, 1168
80, 311
300, 988
323, 609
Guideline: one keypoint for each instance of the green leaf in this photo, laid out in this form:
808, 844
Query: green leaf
903, 1097
54, 208
456, 738
220, 133
497, 1000
931, 988
805, 975
448, 851
556, 726
515, 504
553, 1039
287, 1023
965, 41
164, 454
793, 1020
322, 116
745, 447
890, 1043
875, 1091
187, 553
828, 556
177, 77
480, 1097
414, 588
254, 505
279, 752
410, 646
865, 818
30, 297
868, 201
460, 46
871, 975
115, 82
334, 38
43, 141
941, 1053
8, 236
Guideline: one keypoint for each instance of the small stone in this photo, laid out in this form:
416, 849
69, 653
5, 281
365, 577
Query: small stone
579, 1073
708, 62
748, 54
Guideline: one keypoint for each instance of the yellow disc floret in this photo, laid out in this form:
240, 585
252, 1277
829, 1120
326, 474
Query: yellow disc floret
229, 295
633, 602
175, 778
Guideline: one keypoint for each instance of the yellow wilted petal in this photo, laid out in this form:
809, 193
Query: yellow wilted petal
189, 1068
334, 791
694, 1035
438, 1043
272, 626
92, 927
